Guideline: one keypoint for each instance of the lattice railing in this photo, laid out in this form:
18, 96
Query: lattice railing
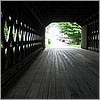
19, 38
93, 35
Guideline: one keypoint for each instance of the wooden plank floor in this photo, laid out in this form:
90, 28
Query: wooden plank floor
60, 73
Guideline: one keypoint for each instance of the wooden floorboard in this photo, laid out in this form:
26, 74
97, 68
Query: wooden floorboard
66, 73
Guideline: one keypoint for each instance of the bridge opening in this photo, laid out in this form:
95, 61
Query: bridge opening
63, 35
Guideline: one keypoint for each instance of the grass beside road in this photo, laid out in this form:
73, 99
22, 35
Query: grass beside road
48, 46
73, 45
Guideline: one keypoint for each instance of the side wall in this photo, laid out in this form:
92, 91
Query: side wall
22, 37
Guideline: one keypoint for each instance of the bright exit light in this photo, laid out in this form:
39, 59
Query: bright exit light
54, 31
52, 35
62, 34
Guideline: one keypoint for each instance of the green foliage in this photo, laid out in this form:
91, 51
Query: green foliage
69, 27
49, 41
5, 30
72, 29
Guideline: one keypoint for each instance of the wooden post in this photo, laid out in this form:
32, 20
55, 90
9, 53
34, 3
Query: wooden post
84, 37
43, 36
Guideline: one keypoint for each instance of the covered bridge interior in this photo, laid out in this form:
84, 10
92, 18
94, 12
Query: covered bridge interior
26, 22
